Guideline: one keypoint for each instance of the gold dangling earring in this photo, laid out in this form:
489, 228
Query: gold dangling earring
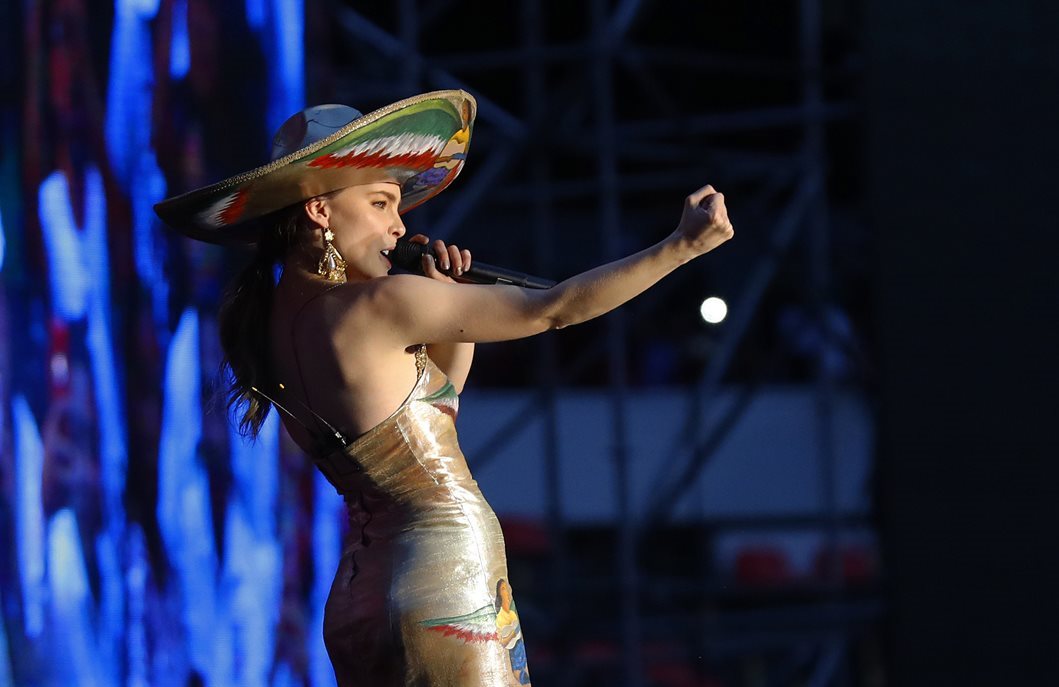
331, 266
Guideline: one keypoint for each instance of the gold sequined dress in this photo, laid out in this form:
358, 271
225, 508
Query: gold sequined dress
421, 596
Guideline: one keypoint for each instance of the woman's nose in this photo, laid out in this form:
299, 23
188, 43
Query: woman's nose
399, 228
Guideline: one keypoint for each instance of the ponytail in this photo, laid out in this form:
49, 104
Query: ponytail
244, 318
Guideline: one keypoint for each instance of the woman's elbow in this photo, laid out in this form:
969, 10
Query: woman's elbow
555, 322
549, 317
550, 313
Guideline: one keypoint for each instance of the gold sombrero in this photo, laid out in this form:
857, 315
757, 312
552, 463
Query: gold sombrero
421, 142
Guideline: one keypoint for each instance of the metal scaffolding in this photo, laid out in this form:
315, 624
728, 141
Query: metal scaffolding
568, 90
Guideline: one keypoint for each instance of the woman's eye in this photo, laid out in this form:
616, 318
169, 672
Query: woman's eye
381, 204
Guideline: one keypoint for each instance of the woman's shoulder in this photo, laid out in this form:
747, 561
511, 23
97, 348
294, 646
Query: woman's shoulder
363, 293
383, 298
359, 309
377, 312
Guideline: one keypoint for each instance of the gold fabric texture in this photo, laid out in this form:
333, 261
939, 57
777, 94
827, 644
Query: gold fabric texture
421, 596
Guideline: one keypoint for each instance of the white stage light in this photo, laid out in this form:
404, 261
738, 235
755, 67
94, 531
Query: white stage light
713, 310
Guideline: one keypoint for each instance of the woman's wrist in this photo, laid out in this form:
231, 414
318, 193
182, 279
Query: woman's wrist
678, 248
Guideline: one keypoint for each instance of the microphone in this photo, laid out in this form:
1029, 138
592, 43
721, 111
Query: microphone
408, 255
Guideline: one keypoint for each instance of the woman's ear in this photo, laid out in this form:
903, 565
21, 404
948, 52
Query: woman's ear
318, 211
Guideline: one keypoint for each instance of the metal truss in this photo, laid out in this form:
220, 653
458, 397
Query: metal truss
578, 74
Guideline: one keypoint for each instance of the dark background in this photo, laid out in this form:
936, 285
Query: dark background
963, 154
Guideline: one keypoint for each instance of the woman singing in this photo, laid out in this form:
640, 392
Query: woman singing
367, 367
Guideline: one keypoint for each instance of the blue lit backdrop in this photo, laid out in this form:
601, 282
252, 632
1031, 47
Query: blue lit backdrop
145, 541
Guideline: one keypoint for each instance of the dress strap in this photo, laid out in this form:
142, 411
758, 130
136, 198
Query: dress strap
337, 435
421, 360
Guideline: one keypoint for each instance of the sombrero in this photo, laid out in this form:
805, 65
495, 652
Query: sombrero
421, 142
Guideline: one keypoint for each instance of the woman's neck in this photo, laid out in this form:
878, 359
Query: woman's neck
300, 279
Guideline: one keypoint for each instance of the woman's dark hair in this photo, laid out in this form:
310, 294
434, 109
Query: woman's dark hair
244, 318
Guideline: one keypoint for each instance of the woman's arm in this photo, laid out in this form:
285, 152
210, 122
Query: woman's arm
415, 309
454, 358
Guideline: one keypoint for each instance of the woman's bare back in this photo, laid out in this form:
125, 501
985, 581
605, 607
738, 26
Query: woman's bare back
352, 382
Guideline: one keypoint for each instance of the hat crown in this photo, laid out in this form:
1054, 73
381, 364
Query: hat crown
309, 126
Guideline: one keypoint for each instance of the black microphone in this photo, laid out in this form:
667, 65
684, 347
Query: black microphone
409, 256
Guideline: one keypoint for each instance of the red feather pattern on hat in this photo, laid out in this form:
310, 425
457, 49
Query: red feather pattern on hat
233, 210
417, 161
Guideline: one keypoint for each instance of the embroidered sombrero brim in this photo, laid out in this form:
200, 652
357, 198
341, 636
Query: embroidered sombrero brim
420, 142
